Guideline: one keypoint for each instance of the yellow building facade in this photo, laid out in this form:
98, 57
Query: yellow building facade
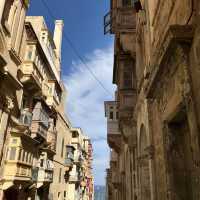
35, 134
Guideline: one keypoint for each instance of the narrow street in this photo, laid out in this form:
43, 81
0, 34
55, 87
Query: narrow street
99, 100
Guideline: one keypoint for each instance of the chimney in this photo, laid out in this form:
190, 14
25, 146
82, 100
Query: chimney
58, 32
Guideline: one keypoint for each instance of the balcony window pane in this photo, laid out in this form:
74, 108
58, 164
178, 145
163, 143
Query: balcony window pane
27, 157
117, 115
74, 135
14, 141
42, 163
111, 115
29, 55
60, 173
12, 153
127, 79
20, 153
62, 150
48, 164
30, 158
23, 157
126, 3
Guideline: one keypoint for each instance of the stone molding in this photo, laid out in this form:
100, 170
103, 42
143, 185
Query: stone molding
176, 34
6, 103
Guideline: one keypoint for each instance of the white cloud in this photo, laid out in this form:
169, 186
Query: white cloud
85, 105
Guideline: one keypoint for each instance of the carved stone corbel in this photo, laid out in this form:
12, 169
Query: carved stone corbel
150, 151
9, 103
6, 103
127, 128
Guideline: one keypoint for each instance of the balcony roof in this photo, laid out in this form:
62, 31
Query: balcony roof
42, 48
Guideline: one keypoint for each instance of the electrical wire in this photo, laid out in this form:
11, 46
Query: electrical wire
77, 52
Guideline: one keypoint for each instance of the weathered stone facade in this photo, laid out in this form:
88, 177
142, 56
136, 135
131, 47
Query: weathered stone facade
35, 133
160, 123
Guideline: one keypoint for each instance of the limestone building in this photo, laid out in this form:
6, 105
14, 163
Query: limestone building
80, 179
35, 133
156, 69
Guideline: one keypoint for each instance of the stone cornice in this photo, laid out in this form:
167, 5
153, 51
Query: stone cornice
176, 34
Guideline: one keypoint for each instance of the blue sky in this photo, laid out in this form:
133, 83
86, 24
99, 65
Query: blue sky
83, 21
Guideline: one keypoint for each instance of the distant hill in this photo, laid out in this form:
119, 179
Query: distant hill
99, 192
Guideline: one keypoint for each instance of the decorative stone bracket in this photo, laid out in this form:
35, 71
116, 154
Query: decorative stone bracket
128, 130
176, 34
149, 155
150, 151
6, 103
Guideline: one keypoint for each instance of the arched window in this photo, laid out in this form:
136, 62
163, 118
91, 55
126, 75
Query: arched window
62, 150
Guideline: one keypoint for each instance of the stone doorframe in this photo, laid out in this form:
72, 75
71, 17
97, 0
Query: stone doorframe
170, 87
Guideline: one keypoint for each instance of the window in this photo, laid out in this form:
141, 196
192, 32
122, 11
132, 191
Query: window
126, 3
117, 115
74, 134
20, 152
44, 36
42, 163
127, 79
14, 141
111, 115
60, 173
65, 194
12, 153
30, 158
23, 157
29, 53
27, 157
62, 150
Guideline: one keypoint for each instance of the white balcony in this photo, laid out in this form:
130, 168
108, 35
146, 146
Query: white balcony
26, 117
31, 77
74, 178
45, 173
75, 140
50, 60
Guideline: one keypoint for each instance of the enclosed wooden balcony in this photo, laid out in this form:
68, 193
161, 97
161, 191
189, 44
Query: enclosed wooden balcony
31, 76
113, 132
19, 163
114, 136
78, 159
127, 101
26, 117
51, 137
69, 157
73, 178
16, 170
45, 173
40, 123
120, 20
54, 94
51, 140
69, 162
